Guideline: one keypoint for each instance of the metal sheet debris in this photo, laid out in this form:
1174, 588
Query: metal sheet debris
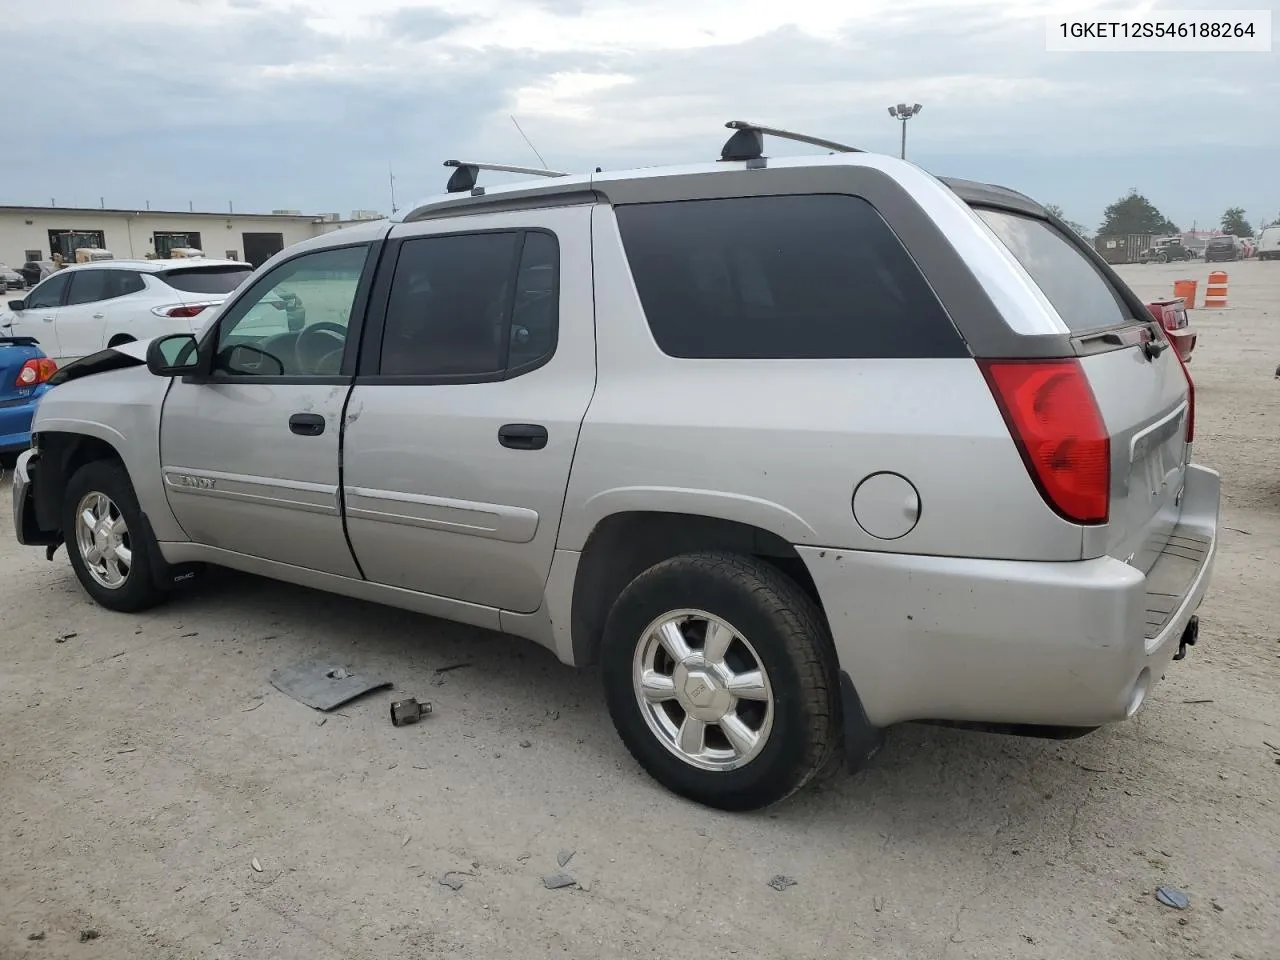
323, 684
1173, 897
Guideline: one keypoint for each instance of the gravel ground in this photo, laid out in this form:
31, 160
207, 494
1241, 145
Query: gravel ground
147, 764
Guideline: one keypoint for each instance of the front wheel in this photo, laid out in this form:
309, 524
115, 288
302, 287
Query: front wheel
111, 551
721, 679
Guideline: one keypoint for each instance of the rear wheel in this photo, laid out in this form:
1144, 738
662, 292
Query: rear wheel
120, 338
721, 680
108, 542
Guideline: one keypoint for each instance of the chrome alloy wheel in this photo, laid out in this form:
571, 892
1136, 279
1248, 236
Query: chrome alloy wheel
102, 538
703, 690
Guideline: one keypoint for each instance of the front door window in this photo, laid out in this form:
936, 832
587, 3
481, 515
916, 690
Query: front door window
293, 322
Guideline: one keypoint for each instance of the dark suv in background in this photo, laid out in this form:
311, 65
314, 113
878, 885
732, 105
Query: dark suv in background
1222, 248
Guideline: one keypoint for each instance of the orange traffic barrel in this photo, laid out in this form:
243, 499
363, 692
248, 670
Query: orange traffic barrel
1215, 293
1186, 289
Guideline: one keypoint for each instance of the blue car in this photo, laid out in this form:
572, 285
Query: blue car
24, 379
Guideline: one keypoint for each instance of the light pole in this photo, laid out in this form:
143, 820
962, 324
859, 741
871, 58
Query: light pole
904, 112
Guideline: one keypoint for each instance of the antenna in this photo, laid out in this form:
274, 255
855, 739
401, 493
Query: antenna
464, 177
748, 142
392, 175
527, 140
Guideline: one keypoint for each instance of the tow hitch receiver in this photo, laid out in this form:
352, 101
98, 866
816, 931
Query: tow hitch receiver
1189, 637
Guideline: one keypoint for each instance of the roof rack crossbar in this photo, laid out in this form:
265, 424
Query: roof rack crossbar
464, 177
748, 142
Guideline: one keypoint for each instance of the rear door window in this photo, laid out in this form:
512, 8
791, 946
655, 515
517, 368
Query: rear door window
92, 286
1081, 295
206, 279
476, 306
785, 277
89, 286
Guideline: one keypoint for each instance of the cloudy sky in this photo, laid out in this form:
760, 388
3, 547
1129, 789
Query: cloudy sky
284, 104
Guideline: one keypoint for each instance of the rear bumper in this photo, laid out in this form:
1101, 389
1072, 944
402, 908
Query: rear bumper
1015, 642
15, 422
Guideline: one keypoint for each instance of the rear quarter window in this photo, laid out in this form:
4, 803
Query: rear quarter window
1081, 295
206, 279
786, 277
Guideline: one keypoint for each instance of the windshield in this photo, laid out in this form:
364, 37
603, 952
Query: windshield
1082, 296
220, 279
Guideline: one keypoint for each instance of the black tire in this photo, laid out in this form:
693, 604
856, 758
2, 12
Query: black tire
121, 338
791, 642
140, 589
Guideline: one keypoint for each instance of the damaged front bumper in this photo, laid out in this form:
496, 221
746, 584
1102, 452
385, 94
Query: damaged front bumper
25, 525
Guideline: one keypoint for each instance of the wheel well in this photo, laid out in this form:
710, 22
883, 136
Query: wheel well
61, 455
624, 545
120, 338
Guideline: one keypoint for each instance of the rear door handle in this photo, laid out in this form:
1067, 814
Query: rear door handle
522, 436
307, 424
98, 316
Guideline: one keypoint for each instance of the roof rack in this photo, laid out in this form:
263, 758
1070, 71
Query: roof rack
748, 142
464, 177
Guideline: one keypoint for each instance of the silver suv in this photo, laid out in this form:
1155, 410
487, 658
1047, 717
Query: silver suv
795, 449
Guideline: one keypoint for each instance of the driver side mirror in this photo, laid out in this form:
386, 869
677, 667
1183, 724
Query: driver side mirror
173, 356
17, 306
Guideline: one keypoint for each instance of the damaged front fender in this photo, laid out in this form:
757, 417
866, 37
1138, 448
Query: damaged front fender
131, 354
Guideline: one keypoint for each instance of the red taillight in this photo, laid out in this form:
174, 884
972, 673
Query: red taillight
1191, 391
36, 371
1054, 419
181, 310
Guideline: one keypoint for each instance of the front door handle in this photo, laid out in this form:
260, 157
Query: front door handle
522, 436
47, 319
98, 316
307, 424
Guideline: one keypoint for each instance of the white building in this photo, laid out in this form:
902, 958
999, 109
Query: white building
36, 233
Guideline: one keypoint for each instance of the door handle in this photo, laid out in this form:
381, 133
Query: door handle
522, 436
307, 424
98, 316
47, 319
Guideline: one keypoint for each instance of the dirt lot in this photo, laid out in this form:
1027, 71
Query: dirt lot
147, 764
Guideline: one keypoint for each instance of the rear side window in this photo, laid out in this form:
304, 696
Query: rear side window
206, 279
788, 277
1081, 295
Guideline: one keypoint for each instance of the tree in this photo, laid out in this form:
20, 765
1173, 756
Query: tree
1233, 221
1134, 213
1056, 210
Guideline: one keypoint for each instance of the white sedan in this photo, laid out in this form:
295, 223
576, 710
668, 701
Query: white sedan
83, 308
